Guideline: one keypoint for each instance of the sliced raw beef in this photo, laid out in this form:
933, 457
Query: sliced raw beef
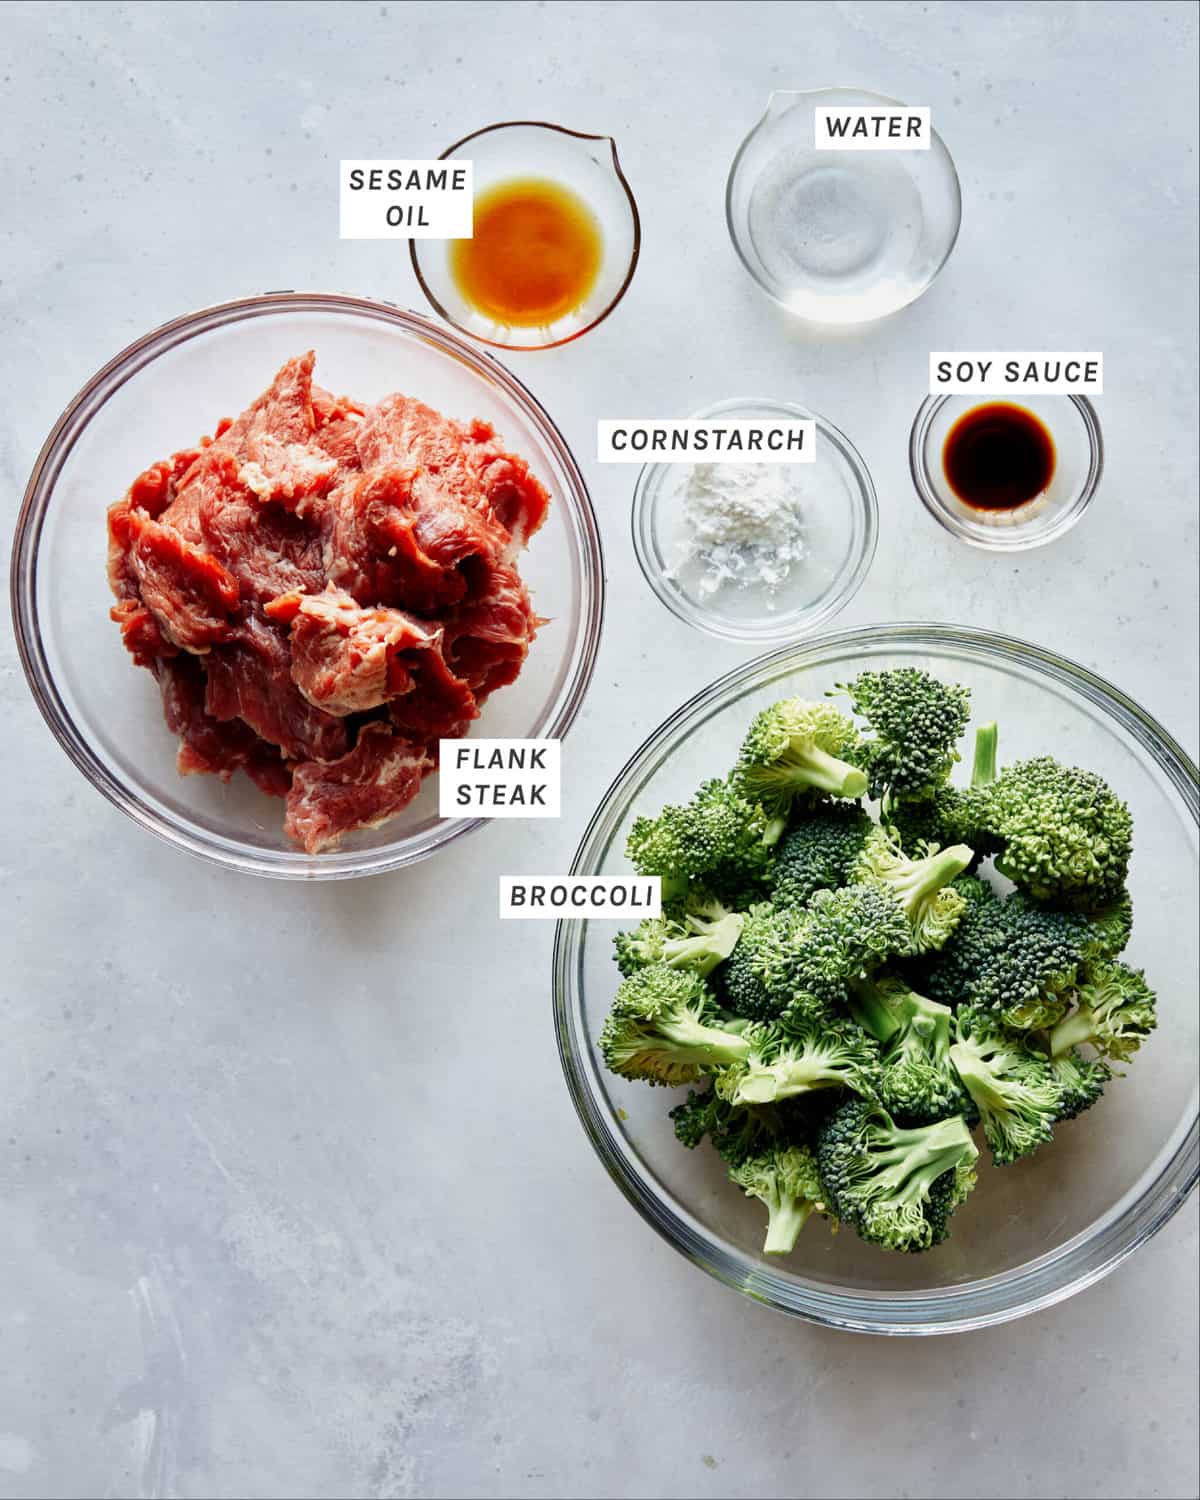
381, 775
250, 679
189, 593
346, 659
324, 590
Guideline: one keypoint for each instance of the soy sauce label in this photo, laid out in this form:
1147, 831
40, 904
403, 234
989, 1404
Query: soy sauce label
1006, 373
871, 127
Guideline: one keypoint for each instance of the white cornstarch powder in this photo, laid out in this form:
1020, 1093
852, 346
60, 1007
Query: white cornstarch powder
744, 525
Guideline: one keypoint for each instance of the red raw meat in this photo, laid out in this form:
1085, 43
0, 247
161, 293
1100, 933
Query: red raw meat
324, 590
250, 679
189, 593
346, 659
381, 775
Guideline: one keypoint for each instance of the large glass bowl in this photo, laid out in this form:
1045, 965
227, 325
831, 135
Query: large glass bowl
160, 395
1031, 1233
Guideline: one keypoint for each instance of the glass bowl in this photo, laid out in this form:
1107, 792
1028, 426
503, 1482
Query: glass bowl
586, 164
158, 396
1031, 1233
839, 236
1078, 464
840, 532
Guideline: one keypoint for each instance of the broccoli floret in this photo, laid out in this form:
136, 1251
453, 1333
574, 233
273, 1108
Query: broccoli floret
787, 1061
931, 906
794, 752
785, 1179
686, 941
1081, 1081
1017, 1092
734, 1133
718, 835
887, 1180
1093, 935
1115, 1011
916, 722
665, 1028
950, 815
1065, 835
918, 1083
849, 933
1012, 957
819, 852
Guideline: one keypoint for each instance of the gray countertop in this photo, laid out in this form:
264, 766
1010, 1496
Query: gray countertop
294, 1200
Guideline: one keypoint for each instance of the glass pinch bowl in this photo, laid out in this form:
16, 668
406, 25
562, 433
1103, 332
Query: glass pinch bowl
1031, 1233
588, 166
158, 396
840, 517
839, 236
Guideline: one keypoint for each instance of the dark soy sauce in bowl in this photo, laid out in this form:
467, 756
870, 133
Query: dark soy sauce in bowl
998, 457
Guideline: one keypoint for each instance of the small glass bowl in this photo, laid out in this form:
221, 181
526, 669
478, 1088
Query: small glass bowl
586, 164
158, 396
1079, 462
840, 531
839, 236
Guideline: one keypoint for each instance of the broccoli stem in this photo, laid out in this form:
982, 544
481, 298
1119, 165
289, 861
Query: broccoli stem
1072, 1031
767, 1083
915, 1158
826, 773
786, 1217
708, 1045
872, 1013
984, 770
927, 876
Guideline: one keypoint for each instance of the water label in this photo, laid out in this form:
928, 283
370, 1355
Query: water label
1015, 374
739, 440
500, 778
617, 897
872, 127
407, 200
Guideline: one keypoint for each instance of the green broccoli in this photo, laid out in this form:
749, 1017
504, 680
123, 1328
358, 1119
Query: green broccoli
664, 1027
931, 906
917, 1083
1018, 1094
734, 1133
951, 815
890, 1181
1114, 1012
1065, 835
818, 852
785, 1179
916, 722
1081, 1081
787, 1061
686, 941
717, 836
794, 752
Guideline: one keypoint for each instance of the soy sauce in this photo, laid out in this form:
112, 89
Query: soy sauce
997, 457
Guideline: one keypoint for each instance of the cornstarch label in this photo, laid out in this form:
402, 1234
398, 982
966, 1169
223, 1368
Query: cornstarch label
871, 127
406, 200
1006, 373
740, 440
590, 896
500, 778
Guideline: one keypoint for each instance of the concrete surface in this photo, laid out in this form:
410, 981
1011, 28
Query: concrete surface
294, 1201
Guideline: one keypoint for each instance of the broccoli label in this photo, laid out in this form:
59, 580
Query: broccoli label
499, 778
617, 896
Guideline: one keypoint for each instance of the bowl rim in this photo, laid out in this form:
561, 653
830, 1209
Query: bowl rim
579, 135
1038, 1284
647, 491
1001, 538
735, 238
38, 496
